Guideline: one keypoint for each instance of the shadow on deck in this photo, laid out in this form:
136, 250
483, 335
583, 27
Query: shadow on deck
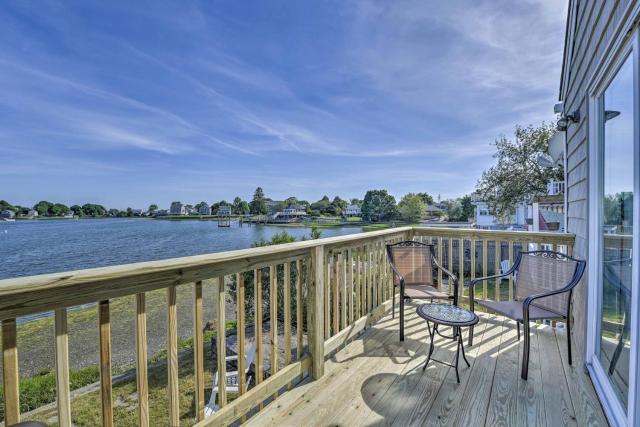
376, 380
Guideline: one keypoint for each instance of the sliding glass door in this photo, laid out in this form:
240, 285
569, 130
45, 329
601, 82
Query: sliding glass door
613, 273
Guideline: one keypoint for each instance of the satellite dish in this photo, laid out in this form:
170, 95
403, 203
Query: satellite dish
544, 160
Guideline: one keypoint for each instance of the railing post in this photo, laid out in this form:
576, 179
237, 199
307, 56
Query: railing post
316, 311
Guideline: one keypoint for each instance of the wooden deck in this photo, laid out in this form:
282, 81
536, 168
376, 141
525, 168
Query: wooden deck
376, 380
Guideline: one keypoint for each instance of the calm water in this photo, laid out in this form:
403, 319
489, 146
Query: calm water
37, 247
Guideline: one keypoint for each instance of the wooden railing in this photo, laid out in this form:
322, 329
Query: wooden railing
331, 290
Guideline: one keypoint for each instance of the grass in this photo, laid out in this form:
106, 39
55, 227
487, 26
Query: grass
40, 390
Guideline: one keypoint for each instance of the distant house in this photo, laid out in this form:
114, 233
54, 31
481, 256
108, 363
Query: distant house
32, 213
352, 210
177, 209
161, 212
224, 210
204, 210
7, 214
137, 212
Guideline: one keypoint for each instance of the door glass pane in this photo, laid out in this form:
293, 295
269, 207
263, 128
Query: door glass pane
617, 230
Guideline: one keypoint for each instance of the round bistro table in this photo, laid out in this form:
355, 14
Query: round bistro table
447, 315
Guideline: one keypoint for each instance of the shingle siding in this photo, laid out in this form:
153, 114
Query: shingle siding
597, 22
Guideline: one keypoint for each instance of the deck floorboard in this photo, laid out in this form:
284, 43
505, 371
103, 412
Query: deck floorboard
377, 381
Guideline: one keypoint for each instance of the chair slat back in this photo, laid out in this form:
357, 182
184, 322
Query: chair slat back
544, 272
413, 262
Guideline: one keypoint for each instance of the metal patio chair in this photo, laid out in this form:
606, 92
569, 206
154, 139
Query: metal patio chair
414, 264
544, 282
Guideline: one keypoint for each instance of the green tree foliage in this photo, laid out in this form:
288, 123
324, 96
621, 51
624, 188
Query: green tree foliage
258, 205
240, 207
316, 233
356, 202
618, 209
43, 207
6, 206
77, 210
516, 175
378, 205
426, 198
412, 207
153, 207
94, 210
468, 209
276, 239
58, 209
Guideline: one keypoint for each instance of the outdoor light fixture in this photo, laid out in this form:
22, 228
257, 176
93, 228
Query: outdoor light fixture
564, 120
610, 114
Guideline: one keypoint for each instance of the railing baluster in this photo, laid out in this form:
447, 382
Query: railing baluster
511, 275
62, 368
257, 288
326, 267
198, 350
349, 276
287, 313
172, 357
461, 267
472, 256
240, 318
10, 374
379, 281
450, 263
358, 284
498, 258
299, 307
485, 261
440, 250
105, 363
273, 318
372, 285
336, 295
316, 290
141, 361
343, 285
221, 341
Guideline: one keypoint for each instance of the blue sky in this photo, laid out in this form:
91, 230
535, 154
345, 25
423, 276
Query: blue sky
131, 103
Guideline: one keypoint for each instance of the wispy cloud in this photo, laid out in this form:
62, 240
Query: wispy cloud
324, 97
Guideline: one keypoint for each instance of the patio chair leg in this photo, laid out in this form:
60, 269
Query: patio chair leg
525, 355
569, 339
462, 347
518, 324
393, 304
470, 336
401, 314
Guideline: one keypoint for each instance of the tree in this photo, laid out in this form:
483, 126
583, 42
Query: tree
153, 207
94, 210
378, 205
356, 202
258, 205
338, 205
113, 212
468, 209
412, 207
77, 210
426, 198
43, 207
58, 209
517, 176
6, 206
454, 210
322, 205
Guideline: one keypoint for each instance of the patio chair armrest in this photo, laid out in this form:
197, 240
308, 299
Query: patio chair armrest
452, 276
528, 300
397, 273
474, 282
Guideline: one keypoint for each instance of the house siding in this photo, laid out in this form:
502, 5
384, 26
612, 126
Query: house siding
596, 25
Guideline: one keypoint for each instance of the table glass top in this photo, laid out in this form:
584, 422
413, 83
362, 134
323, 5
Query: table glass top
446, 313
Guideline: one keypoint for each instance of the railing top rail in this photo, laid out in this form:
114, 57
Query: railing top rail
471, 233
